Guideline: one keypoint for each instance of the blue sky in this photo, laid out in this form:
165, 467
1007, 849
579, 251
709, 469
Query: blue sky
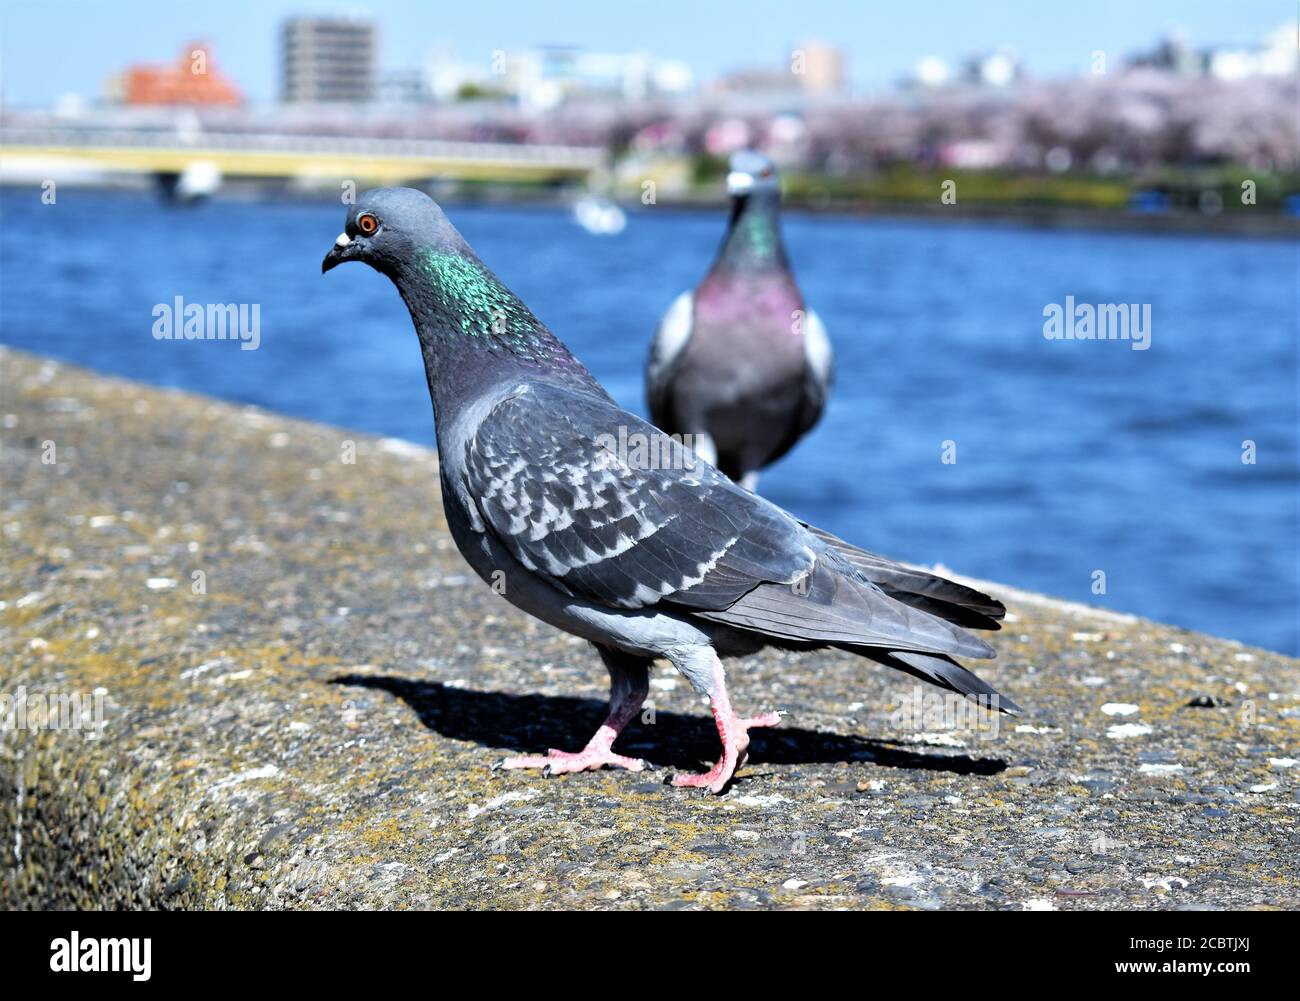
52, 47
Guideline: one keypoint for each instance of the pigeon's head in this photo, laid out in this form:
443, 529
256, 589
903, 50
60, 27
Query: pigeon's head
751, 173
388, 226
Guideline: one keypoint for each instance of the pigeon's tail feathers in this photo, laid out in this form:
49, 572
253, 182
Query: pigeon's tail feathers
944, 672
834, 605
960, 615
918, 588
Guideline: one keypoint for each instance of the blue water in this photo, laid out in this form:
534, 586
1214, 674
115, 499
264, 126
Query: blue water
1071, 456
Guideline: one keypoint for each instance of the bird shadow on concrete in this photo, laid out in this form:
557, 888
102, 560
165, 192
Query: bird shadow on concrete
530, 724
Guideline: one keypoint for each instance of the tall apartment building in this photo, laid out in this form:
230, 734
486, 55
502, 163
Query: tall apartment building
823, 67
327, 59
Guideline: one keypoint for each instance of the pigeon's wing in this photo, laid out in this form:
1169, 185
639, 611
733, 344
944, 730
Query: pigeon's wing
836, 605
610, 509
669, 342
918, 587
816, 384
818, 359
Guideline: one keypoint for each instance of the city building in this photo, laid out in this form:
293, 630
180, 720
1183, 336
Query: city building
774, 81
811, 68
192, 79
1174, 54
327, 60
1277, 56
819, 67
929, 71
402, 86
994, 69
550, 75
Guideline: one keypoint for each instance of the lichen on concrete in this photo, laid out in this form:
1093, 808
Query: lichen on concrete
312, 722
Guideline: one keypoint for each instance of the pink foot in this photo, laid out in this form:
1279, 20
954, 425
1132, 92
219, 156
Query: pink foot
595, 755
734, 731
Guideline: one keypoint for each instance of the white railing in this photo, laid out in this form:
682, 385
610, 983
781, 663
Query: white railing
572, 157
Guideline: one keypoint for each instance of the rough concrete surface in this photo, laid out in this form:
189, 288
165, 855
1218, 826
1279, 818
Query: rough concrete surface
316, 727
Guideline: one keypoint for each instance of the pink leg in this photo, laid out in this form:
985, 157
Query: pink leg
734, 731
629, 685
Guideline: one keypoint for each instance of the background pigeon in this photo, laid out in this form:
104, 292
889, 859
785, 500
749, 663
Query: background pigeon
740, 364
644, 559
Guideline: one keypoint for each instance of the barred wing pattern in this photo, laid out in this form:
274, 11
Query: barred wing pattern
556, 476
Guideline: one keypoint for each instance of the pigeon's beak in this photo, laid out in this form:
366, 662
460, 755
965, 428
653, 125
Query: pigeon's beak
342, 250
739, 183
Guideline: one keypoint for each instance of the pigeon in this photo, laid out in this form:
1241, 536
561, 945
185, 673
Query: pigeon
741, 365
553, 498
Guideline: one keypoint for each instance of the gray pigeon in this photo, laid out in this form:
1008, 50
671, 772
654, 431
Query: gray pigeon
644, 557
741, 364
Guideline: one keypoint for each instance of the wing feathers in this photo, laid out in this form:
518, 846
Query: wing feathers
837, 606
553, 488
909, 580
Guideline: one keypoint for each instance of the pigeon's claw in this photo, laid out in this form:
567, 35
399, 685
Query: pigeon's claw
596, 754
734, 731
735, 751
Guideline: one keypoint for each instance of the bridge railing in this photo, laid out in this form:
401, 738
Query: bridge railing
573, 157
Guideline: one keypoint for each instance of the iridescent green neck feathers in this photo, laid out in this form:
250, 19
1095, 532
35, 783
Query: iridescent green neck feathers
472, 302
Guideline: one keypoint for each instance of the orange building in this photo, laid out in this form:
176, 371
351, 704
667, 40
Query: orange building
192, 79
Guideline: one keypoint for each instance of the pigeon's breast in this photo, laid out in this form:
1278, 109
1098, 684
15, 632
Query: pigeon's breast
748, 331
741, 377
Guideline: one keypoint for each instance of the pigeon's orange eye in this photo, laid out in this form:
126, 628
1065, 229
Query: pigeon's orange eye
767, 172
367, 224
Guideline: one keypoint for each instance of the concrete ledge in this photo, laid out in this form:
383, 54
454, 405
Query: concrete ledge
317, 728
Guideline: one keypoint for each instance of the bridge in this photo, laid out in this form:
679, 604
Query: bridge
173, 152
